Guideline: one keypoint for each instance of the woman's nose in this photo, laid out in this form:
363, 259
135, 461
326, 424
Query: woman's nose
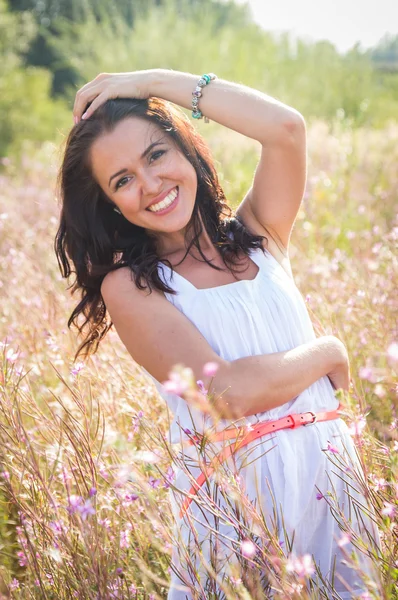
151, 184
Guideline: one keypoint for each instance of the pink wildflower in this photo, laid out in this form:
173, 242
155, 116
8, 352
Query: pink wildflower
332, 448
379, 483
77, 368
74, 503
170, 475
392, 351
247, 548
201, 386
210, 369
366, 373
14, 585
344, 540
22, 559
302, 566
389, 510
154, 483
12, 356
179, 382
357, 426
125, 538
86, 509
136, 421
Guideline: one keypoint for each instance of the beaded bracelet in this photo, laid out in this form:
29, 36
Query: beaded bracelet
203, 81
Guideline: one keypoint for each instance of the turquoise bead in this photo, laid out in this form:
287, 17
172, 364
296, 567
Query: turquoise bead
206, 78
197, 114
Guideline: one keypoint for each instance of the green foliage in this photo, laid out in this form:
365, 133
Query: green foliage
26, 109
72, 42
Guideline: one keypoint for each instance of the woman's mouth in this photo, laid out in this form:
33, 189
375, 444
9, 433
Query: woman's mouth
166, 205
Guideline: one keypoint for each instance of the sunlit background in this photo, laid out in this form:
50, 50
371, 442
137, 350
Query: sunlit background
342, 22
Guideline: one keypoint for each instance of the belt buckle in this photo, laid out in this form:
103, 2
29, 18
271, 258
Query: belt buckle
313, 419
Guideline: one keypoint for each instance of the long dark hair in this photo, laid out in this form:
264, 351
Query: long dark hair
93, 239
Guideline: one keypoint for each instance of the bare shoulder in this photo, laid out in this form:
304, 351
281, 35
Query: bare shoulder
119, 282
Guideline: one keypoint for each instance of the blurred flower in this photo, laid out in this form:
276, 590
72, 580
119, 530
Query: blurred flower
379, 483
125, 538
201, 386
77, 368
136, 421
302, 566
366, 373
332, 448
379, 390
22, 559
344, 540
86, 509
392, 351
389, 510
12, 356
210, 369
56, 526
146, 456
170, 476
74, 503
357, 426
14, 585
180, 380
92, 492
154, 483
247, 548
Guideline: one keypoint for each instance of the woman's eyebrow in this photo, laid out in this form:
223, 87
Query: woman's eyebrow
143, 155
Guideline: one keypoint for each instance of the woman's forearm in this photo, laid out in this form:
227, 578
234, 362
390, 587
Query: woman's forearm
243, 109
255, 384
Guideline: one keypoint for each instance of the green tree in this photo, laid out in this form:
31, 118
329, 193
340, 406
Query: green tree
26, 109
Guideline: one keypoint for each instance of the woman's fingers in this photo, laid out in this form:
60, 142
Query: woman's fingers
85, 95
95, 104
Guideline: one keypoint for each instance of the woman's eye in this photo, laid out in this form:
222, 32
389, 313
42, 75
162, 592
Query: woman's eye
157, 154
120, 182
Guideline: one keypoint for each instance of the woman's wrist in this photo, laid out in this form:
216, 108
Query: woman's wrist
233, 105
174, 86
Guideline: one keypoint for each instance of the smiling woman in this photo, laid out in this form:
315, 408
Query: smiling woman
140, 197
131, 154
149, 174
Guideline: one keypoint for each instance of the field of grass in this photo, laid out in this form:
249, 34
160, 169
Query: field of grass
85, 469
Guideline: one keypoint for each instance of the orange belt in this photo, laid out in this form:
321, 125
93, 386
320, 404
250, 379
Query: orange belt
289, 422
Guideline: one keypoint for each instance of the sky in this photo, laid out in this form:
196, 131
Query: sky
343, 22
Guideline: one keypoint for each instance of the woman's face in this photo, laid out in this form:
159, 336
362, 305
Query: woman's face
138, 165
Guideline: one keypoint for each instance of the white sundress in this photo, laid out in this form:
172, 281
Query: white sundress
246, 318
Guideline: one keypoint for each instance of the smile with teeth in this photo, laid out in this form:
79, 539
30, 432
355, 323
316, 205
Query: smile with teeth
165, 202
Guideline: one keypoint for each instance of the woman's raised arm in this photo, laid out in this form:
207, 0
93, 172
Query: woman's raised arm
238, 107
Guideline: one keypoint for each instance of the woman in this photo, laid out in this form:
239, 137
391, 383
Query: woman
146, 228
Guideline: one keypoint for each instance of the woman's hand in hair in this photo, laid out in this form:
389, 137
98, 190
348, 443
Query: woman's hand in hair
110, 85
